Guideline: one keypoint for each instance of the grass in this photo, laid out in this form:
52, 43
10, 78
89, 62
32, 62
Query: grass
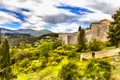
108, 48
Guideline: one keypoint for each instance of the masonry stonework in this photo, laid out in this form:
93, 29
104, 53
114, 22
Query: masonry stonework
97, 30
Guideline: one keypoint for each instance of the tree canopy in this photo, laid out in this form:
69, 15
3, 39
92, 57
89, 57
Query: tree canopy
114, 30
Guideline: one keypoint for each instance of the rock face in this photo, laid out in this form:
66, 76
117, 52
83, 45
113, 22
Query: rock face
97, 30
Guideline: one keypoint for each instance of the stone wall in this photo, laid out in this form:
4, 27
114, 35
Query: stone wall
102, 54
97, 30
69, 38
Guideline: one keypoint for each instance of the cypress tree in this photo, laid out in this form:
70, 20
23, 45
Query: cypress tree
114, 30
5, 70
81, 39
5, 53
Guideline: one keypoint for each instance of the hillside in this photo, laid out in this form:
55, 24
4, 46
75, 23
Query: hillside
16, 38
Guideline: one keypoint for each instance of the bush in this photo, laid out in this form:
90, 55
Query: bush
56, 44
95, 45
69, 72
20, 56
98, 69
65, 50
24, 63
45, 49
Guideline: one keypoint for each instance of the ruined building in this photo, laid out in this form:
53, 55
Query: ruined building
97, 30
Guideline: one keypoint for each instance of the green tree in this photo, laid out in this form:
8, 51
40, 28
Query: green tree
69, 72
81, 39
114, 29
5, 70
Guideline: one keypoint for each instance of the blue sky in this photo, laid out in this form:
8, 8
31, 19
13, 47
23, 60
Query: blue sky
54, 15
74, 9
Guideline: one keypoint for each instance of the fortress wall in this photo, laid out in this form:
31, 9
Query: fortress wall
64, 38
88, 35
69, 38
74, 38
97, 30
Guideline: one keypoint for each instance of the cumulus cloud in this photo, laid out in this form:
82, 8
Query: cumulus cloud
105, 6
6, 18
69, 28
59, 18
55, 13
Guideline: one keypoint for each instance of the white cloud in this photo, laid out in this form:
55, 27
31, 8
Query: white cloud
7, 18
43, 8
91, 17
7, 27
73, 27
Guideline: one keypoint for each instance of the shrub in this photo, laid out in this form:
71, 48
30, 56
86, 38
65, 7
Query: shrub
65, 50
95, 45
69, 72
45, 49
98, 69
56, 44
24, 63
20, 56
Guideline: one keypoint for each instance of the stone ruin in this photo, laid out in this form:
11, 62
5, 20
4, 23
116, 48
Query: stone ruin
97, 30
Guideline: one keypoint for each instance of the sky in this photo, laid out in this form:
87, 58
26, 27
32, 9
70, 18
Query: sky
55, 15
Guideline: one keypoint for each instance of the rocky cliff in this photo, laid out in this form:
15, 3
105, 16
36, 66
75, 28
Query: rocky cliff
97, 30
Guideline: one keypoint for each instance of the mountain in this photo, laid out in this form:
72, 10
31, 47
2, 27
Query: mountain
26, 31
16, 39
4, 30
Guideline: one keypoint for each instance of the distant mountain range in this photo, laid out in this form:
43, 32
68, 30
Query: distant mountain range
26, 31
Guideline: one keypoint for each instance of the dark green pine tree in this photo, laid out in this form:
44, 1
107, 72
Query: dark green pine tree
5, 70
114, 29
81, 39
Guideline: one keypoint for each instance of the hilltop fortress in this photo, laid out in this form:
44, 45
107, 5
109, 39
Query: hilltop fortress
97, 30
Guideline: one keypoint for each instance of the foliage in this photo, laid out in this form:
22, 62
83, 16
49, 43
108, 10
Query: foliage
24, 62
98, 69
20, 56
56, 43
66, 50
114, 29
96, 45
81, 40
69, 72
45, 49
5, 69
